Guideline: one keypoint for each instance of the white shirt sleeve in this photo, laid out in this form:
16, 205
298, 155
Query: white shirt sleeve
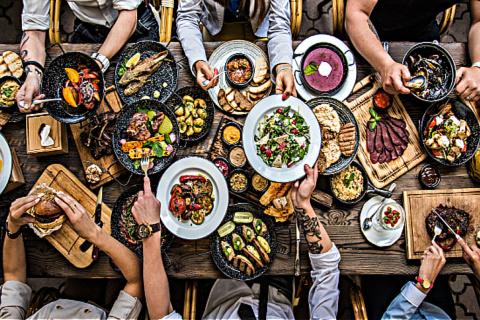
14, 300
126, 4
125, 307
36, 15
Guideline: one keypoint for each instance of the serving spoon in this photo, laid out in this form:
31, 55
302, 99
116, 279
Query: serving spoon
367, 223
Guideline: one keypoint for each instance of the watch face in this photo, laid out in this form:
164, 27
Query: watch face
426, 284
143, 231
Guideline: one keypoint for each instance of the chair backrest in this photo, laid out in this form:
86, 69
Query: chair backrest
54, 30
338, 18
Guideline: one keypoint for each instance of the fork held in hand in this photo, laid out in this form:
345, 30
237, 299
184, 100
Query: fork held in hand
145, 163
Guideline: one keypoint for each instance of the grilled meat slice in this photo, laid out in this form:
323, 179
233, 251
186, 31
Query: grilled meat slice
137, 128
458, 219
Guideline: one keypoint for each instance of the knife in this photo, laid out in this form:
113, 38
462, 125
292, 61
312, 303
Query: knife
98, 219
297, 251
448, 226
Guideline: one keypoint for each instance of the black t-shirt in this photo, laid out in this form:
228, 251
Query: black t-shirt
408, 20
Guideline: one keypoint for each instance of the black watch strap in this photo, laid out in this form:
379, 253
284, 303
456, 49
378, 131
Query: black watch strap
13, 235
155, 227
35, 64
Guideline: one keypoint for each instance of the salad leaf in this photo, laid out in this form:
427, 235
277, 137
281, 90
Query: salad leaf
136, 164
143, 109
348, 180
310, 69
157, 149
123, 67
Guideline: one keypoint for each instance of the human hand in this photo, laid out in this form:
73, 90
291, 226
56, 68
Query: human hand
468, 83
17, 216
471, 255
433, 261
393, 76
285, 82
146, 209
29, 91
205, 73
302, 190
81, 221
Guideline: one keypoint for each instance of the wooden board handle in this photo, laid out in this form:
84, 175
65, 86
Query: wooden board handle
362, 84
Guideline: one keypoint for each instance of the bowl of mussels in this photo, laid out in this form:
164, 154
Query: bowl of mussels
432, 70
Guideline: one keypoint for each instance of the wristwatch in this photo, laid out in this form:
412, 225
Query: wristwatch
103, 60
424, 283
146, 230
13, 235
476, 64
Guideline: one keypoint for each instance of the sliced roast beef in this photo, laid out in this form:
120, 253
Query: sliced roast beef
370, 140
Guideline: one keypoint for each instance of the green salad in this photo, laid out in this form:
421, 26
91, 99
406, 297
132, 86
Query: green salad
282, 138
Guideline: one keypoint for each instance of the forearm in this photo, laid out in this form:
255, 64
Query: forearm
157, 291
315, 234
124, 259
32, 46
280, 49
121, 31
474, 42
14, 258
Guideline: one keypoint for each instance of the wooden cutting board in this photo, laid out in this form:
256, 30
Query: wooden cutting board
110, 103
382, 174
419, 203
66, 240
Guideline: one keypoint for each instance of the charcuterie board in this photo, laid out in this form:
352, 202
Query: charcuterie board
419, 203
382, 174
66, 240
111, 103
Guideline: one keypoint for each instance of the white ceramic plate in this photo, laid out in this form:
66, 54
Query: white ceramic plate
219, 57
384, 238
268, 106
347, 87
6, 166
193, 166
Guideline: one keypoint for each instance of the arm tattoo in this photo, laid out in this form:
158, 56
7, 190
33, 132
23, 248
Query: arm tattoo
372, 28
24, 40
311, 231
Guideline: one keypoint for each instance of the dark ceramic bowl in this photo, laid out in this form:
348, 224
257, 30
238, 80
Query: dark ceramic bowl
461, 111
120, 133
216, 250
230, 162
226, 162
426, 49
227, 76
424, 183
117, 233
3, 80
195, 92
236, 125
238, 171
167, 73
54, 79
346, 116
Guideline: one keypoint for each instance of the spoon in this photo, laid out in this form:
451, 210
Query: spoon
34, 102
367, 223
206, 82
437, 230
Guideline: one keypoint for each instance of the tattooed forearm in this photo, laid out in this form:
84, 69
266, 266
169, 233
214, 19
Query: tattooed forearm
24, 40
311, 230
33, 69
372, 28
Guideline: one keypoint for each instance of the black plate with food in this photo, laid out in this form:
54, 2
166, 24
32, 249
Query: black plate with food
146, 128
340, 134
244, 245
450, 133
433, 71
194, 111
124, 226
78, 80
146, 69
350, 185
239, 70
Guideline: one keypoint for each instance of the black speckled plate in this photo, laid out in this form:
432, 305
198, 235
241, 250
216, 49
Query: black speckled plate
461, 111
120, 132
215, 249
53, 80
117, 211
195, 92
345, 115
167, 73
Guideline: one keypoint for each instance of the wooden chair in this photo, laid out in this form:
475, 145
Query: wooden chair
190, 301
338, 18
54, 30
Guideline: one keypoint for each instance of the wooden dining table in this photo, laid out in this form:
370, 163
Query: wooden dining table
191, 259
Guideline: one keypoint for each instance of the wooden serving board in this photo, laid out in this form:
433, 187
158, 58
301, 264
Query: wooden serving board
110, 103
382, 174
66, 240
219, 149
419, 203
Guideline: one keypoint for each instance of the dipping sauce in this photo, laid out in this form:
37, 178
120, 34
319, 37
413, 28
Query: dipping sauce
239, 70
222, 165
259, 183
231, 134
382, 100
238, 181
429, 176
8, 92
237, 157
323, 70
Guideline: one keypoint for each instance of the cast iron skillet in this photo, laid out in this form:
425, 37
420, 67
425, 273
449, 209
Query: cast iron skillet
345, 115
344, 65
120, 132
195, 92
368, 188
426, 49
216, 250
117, 211
54, 79
167, 73
461, 111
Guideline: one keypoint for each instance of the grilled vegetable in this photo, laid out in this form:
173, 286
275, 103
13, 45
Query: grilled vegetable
243, 264
226, 229
238, 243
248, 233
253, 254
242, 217
197, 217
191, 115
261, 250
260, 227
227, 250
264, 244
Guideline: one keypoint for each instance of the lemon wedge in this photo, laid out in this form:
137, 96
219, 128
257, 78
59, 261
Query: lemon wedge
132, 62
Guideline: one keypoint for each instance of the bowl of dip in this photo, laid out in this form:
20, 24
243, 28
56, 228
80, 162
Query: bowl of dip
324, 69
390, 217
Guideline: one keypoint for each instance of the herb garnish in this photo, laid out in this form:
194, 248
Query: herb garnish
310, 69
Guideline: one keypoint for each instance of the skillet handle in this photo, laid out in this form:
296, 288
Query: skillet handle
381, 192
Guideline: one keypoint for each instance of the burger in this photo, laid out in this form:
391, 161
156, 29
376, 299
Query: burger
48, 215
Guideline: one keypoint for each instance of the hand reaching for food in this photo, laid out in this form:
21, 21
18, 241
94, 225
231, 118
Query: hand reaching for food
393, 76
433, 261
302, 190
468, 83
29, 91
471, 254
285, 82
146, 209
17, 216
205, 74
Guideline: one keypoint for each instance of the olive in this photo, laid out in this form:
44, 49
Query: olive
182, 127
200, 103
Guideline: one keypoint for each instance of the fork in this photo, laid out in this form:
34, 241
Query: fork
437, 230
145, 163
